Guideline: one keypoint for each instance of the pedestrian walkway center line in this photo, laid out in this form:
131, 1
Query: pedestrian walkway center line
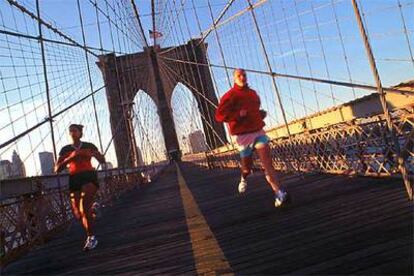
208, 256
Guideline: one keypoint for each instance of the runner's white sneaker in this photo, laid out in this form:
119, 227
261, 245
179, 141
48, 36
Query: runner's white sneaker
91, 243
242, 185
281, 198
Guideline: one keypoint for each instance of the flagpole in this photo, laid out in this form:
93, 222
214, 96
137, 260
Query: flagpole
153, 23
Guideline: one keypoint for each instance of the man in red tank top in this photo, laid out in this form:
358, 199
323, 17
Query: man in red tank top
240, 108
83, 179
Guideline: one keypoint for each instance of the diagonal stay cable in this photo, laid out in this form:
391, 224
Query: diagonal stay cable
18, 136
275, 74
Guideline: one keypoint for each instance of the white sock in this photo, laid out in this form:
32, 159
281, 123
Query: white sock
280, 193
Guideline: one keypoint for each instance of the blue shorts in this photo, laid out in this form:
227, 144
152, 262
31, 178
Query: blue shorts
259, 141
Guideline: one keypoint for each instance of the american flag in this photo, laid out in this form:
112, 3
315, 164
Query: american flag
155, 34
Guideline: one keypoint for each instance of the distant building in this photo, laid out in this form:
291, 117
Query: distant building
5, 169
186, 149
46, 162
197, 141
140, 161
18, 169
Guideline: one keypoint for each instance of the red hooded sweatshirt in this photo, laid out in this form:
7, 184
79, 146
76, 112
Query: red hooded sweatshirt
236, 99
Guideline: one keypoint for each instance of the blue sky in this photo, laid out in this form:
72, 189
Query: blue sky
306, 38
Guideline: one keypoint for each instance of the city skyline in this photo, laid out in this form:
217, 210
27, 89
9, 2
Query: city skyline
47, 162
197, 141
12, 169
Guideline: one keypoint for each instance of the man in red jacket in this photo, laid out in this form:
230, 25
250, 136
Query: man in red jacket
240, 108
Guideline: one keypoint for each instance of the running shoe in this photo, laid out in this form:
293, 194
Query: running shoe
281, 198
242, 185
91, 243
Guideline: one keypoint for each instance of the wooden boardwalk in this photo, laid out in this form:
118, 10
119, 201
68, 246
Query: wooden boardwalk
197, 223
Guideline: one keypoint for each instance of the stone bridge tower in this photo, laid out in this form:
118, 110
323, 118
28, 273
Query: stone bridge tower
157, 76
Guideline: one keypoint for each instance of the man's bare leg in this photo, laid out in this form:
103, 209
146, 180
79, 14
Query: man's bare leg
281, 197
266, 160
246, 168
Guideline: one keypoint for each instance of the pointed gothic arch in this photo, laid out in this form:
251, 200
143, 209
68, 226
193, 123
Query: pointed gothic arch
125, 75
